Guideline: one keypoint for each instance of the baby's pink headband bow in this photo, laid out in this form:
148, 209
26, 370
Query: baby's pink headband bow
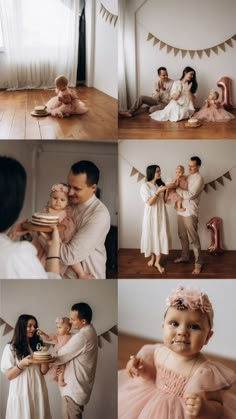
191, 299
60, 187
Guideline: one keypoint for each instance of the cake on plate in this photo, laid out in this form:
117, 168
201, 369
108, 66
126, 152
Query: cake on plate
40, 111
45, 219
42, 355
193, 122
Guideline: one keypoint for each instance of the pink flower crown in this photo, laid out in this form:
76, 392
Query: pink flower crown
60, 187
191, 299
62, 320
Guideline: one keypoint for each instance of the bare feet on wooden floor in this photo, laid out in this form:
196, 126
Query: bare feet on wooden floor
125, 114
197, 270
159, 267
151, 261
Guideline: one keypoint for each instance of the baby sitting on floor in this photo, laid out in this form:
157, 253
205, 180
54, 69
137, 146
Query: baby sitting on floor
66, 102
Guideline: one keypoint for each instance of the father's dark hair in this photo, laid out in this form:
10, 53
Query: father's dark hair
160, 69
84, 311
197, 160
12, 191
88, 167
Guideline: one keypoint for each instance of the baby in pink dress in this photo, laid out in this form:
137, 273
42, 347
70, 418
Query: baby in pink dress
66, 102
175, 380
59, 204
171, 196
60, 338
212, 110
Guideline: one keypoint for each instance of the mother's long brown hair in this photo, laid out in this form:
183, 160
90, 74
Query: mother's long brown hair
21, 345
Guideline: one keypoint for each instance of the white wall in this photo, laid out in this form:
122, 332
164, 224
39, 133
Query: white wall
217, 158
105, 51
53, 160
195, 25
50, 299
141, 306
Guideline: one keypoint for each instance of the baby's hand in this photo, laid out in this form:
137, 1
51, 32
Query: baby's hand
193, 404
134, 366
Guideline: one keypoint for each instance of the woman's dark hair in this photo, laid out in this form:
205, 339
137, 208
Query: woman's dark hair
12, 191
150, 173
193, 80
89, 168
19, 342
84, 311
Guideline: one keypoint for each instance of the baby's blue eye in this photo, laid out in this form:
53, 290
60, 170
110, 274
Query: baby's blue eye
174, 323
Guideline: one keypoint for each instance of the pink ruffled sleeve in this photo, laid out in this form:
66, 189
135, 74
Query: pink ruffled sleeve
211, 377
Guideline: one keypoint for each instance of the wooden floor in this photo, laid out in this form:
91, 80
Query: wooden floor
132, 264
100, 122
143, 127
130, 345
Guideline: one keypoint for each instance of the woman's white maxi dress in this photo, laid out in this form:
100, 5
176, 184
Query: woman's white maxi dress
176, 110
155, 228
28, 395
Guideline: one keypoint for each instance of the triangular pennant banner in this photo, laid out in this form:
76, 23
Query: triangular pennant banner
229, 42
162, 44
155, 41
207, 51
150, 36
140, 177
222, 46
227, 175
206, 188
192, 53
199, 53
133, 171
168, 49
220, 180
1, 321
99, 342
234, 37
106, 336
176, 51
7, 329
114, 330
183, 52
212, 184
215, 49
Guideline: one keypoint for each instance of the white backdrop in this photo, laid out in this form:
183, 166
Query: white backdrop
141, 306
47, 300
186, 25
49, 162
217, 158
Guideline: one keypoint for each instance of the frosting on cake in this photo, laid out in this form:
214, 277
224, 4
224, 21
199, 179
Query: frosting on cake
42, 218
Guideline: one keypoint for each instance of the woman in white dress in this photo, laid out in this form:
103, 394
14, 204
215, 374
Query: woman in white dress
18, 260
28, 395
182, 98
155, 227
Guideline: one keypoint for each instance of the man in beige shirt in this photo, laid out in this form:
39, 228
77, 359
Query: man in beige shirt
159, 99
79, 355
188, 219
92, 221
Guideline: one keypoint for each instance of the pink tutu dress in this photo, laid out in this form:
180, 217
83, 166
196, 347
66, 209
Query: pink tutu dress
66, 103
60, 341
65, 235
214, 114
163, 398
171, 195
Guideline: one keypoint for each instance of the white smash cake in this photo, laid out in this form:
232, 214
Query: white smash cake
41, 218
193, 121
42, 355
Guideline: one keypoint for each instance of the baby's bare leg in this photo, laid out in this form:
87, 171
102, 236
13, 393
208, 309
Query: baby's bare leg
178, 205
61, 381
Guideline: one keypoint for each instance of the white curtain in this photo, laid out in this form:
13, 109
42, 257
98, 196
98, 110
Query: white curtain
41, 41
122, 88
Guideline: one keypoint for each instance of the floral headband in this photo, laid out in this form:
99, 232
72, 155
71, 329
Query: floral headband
60, 187
191, 299
62, 320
